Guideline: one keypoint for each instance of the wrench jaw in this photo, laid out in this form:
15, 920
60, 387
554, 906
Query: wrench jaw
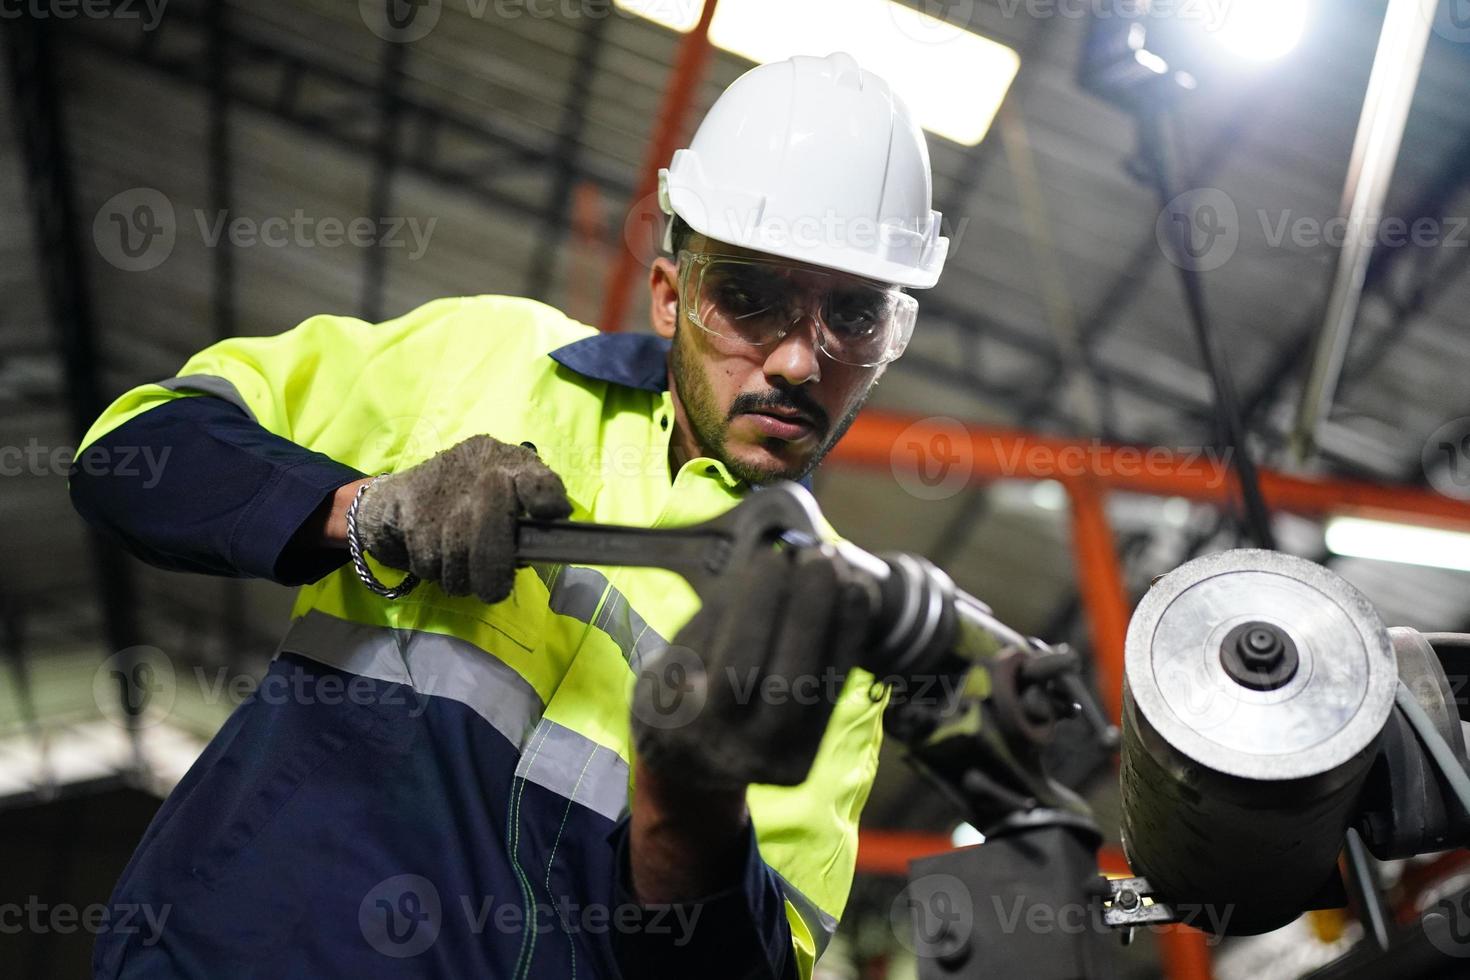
774, 512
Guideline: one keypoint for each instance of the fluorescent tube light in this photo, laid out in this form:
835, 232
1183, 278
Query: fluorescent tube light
1410, 544
952, 78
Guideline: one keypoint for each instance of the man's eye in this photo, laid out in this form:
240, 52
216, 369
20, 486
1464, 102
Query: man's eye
739, 299
854, 316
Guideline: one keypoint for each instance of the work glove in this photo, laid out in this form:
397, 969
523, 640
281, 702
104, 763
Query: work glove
452, 518
744, 693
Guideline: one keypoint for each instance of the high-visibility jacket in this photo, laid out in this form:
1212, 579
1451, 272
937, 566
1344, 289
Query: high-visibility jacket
520, 758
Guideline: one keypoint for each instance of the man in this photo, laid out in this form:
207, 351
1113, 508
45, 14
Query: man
437, 775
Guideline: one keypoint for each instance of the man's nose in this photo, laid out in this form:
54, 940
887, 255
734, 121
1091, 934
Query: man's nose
795, 358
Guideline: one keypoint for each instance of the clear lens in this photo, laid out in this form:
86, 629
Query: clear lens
757, 302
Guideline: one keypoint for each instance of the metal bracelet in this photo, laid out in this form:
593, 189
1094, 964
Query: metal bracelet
354, 548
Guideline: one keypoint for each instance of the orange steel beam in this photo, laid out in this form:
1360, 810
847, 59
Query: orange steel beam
1185, 953
885, 440
587, 235
689, 64
1101, 588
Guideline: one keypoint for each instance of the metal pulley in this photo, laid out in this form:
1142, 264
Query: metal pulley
1256, 688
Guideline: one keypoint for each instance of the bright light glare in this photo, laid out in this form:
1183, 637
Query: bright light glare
1358, 537
1049, 495
1262, 30
966, 836
953, 79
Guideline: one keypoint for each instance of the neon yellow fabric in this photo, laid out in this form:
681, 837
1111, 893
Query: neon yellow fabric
382, 397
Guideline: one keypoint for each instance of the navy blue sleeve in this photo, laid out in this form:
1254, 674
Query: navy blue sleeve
196, 485
740, 933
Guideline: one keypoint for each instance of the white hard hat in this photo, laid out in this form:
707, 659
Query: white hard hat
815, 160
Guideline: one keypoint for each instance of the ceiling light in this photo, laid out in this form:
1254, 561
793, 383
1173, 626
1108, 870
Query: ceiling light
1263, 30
965, 835
952, 78
1410, 544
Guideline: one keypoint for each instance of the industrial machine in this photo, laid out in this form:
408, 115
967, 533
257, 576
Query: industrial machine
1270, 722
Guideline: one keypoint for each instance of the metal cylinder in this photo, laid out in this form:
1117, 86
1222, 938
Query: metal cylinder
1256, 686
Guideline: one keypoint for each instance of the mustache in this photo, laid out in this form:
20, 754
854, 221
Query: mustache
790, 400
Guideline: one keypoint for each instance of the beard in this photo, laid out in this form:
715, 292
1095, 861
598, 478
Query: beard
710, 426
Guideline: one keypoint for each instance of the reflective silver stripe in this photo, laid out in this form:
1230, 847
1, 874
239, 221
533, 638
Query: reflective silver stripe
578, 592
210, 384
821, 925
572, 765
430, 663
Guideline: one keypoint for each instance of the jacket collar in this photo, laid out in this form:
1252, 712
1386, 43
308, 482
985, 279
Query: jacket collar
636, 360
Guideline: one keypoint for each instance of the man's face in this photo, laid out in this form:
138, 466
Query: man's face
767, 412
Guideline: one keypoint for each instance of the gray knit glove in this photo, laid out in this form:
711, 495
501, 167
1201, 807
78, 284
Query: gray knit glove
744, 693
452, 519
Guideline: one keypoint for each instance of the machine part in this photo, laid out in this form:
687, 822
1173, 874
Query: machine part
1026, 904
926, 624
982, 746
1127, 908
1409, 806
1259, 656
1451, 767
1362, 880
1238, 798
1453, 651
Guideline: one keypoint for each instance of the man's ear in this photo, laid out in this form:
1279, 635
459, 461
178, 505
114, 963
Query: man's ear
663, 288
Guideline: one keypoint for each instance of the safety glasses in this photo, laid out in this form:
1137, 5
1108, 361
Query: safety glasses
757, 301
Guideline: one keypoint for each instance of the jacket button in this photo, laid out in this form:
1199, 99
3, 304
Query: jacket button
528, 444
